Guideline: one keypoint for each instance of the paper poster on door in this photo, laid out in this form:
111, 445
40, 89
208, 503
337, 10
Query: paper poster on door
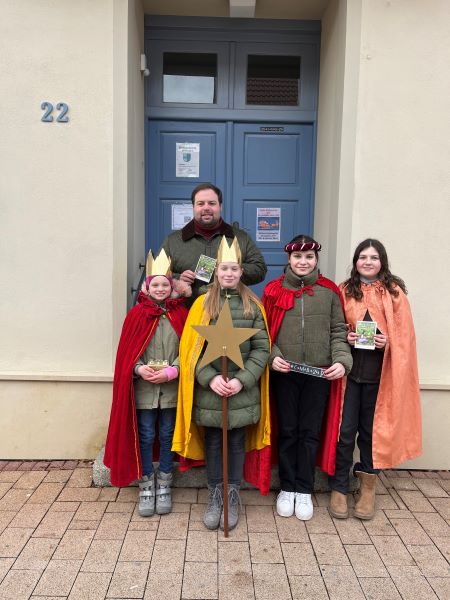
181, 214
187, 160
268, 224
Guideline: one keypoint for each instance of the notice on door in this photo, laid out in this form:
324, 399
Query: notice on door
181, 214
187, 160
268, 224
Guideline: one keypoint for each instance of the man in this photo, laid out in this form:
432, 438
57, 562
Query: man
202, 236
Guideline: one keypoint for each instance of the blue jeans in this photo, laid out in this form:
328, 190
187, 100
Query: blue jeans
213, 455
146, 419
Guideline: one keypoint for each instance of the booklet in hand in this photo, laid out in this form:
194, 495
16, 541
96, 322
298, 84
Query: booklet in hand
365, 330
205, 268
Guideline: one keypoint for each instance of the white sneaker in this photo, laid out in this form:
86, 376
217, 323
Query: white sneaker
303, 506
285, 504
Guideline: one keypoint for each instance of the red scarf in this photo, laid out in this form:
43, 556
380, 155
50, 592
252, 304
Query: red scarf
122, 453
277, 300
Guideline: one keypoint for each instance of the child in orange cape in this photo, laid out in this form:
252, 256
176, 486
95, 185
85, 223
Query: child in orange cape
381, 402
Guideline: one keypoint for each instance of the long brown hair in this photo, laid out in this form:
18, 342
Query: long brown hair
212, 299
353, 284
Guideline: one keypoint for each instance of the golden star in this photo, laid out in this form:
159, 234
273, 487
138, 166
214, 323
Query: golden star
224, 339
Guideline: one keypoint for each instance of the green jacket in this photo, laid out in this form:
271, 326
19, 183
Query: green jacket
313, 331
185, 247
245, 407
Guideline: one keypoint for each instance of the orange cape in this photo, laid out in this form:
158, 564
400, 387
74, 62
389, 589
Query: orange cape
397, 426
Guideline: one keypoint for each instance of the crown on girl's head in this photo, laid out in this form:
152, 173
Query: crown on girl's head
228, 253
159, 265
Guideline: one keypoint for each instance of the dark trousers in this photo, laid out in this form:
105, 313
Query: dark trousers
213, 455
357, 419
301, 401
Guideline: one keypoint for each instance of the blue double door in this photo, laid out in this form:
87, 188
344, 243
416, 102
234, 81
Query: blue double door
264, 170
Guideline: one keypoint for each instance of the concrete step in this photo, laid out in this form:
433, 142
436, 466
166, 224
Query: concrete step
196, 477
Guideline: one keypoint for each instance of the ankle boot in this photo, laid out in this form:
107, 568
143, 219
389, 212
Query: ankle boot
163, 493
365, 506
211, 518
338, 505
147, 496
234, 501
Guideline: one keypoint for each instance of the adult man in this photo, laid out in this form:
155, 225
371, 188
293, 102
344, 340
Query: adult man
202, 236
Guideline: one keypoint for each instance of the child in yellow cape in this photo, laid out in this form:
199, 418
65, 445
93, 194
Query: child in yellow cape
198, 427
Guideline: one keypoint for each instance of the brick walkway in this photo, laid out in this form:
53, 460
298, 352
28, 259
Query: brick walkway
62, 538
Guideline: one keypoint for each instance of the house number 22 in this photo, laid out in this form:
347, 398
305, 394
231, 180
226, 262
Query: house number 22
62, 117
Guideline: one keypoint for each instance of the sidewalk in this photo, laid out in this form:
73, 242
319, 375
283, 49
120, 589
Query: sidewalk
62, 538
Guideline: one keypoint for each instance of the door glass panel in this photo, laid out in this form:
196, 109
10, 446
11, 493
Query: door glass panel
189, 78
273, 80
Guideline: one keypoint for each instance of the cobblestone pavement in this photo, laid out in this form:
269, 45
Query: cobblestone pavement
62, 538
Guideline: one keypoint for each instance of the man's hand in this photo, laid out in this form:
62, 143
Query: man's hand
279, 364
188, 276
336, 371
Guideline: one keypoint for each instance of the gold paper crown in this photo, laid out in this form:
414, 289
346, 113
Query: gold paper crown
159, 265
228, 253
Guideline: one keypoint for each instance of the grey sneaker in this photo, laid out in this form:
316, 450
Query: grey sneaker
211, 518
147, 496
163, 493
234, 502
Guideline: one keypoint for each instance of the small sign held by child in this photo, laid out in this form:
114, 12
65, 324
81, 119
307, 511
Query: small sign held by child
365, 331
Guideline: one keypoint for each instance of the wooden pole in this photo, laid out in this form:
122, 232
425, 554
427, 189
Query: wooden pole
225, 444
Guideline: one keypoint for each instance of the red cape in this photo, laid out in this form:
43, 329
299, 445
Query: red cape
277, 300
122, 454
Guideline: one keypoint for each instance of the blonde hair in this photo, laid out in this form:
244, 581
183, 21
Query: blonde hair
212, 299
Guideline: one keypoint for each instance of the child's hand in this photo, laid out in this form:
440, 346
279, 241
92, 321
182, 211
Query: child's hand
380, 340
220, 386
158, 377
145, 372
279, 364
235, 385
336, 371
352, 337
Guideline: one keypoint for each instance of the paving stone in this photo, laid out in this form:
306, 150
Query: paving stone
441, 587
41, 466
365, 561
254, 498
53, 525
200, 581
138, 546
234, 558
6, 516
380, 488
90, 586
90, 511
3, 463
410, 531
379, 525
341, 583
56, 464
79, 494
184, 495
10, 476
12, 465
445, 484
181, 507
432, 474
430, 561
57, 476
144, 525
173, 526
291, 529
323, 499
18, 584
128, 580
80, 478
265, 548
70, 507
108, 494
431, 488
58, 578
70, 464
379, 588
14, 499
92, 525
444, 546
128, 494
46, 493
309, 587
202, 496
4, 487
74, 545
404, 484
5, 565
433, 524
168, 556
321, 522
392, 550
30, 480
399, 514
36, 554
442, 505
416, 501
30, 515
12, 540
351, 531
271, 582
238, 534
329, 549
397, 501
411, 584
137, 517
123, 507
299, 559
383, 502
113, 526
102, 556
260, 519
444, 474
161, 586
238, 586
201, 546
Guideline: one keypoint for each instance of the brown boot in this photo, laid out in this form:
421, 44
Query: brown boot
365, 506
338, 505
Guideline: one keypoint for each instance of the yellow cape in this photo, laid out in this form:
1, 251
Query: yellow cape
188, 437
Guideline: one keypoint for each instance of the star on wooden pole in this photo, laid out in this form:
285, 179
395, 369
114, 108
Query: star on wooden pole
223, 338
